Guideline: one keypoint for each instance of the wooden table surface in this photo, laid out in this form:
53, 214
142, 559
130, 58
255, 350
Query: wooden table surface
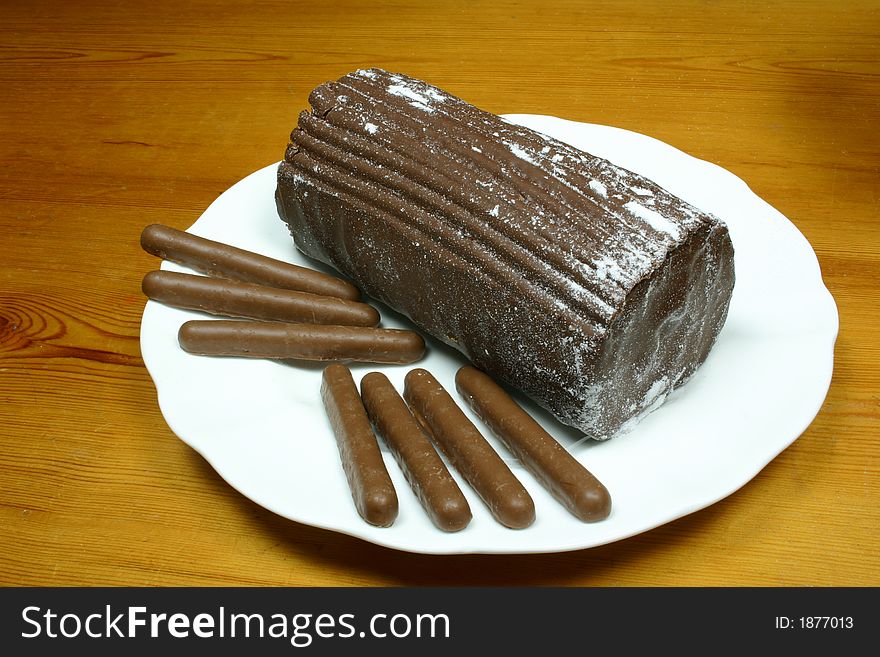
117, 115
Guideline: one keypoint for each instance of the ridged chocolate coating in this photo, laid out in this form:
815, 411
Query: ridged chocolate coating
586, 286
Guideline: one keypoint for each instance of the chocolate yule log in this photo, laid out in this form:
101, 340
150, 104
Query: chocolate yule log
586, 286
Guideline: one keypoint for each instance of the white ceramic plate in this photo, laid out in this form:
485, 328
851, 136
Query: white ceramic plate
261, 424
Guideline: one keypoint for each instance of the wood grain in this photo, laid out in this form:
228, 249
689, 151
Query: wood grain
115, 116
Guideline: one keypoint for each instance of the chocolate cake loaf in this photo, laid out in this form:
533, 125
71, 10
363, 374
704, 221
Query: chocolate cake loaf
586, 286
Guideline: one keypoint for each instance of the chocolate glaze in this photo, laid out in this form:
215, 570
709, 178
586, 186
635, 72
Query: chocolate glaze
238, 299
468, 450
225, 261
281, 340
423, 468
557, 470
371, 487
584, 285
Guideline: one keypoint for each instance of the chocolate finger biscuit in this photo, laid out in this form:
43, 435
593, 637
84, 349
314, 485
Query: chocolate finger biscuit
371, 487
472, 456
557, 470
218, 259
425, 471
280, 340
238, 299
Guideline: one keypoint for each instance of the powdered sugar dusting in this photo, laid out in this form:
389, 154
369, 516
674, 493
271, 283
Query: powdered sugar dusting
522, 153
599, 188
611, 269
656, 220
656, 394
421, 99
